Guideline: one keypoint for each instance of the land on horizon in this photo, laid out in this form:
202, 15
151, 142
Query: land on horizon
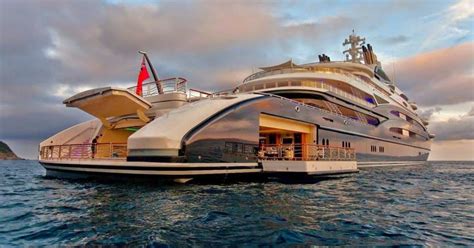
6, 153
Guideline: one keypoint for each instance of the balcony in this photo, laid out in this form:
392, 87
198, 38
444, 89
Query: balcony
306, 152
84, 151
165, 86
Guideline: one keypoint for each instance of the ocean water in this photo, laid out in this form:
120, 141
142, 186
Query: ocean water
413, 205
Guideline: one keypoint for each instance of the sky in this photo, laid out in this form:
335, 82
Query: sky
52, 49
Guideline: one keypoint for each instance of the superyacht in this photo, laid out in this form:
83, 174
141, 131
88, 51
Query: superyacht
315, 119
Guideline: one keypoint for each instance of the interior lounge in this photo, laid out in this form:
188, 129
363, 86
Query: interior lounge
282, 138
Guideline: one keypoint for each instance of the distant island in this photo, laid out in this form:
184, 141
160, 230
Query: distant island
6, 153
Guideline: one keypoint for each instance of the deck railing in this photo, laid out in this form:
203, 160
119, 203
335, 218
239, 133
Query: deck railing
305, 152
84, 151
168, 85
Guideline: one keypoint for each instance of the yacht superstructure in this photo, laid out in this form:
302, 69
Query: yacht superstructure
313, 119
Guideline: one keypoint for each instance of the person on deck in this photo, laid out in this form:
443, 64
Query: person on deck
94, 146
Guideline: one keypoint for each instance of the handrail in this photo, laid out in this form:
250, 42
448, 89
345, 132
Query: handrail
194, 94
313, 107
305, 152
168, 85
321, 70
84, 151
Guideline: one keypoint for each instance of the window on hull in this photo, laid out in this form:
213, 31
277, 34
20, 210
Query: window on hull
407, 133
404, 97
407, 118
381, 74
380, 100
323, 104
373, 148
338, 87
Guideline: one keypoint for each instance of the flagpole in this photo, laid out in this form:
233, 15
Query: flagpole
152, 71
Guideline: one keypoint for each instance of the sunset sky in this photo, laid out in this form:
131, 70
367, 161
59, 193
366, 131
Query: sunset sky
50, 50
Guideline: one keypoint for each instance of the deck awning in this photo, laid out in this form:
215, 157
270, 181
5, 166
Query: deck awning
287, 64
109, 102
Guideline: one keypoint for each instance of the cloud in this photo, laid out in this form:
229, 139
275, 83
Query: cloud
395, 40
51, 49
471, 112
454, 128
440, 77
426, 115
454, 22
65, 46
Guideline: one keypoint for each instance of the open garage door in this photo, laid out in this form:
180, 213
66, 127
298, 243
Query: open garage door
278, 134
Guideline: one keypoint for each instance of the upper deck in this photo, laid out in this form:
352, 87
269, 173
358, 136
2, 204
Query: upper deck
365, 84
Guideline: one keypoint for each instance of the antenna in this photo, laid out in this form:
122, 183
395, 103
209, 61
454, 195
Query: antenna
354, 53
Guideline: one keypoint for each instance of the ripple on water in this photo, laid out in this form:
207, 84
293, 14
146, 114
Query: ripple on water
424, 205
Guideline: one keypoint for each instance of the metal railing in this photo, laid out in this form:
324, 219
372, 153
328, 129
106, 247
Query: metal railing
320, 85
168, 85
348, 119
310, 69
84, 151
306, 152
194, 94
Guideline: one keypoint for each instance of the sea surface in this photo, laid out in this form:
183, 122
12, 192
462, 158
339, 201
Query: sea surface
431, 205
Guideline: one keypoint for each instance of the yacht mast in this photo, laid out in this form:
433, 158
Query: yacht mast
354, 53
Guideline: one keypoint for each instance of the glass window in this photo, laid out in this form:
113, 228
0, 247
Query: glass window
381, 74
396, 113
258, 86
380, 100
372, 121
248, 149
309, 83
239, 148
370, 99
282, 84
270, 85
228, 147
404, 97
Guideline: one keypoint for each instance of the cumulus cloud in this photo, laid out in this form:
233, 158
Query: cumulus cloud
454, 128
51, 49
471, 112
64, 46
426, 114
440, 77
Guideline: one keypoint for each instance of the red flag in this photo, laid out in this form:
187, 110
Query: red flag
142, 76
